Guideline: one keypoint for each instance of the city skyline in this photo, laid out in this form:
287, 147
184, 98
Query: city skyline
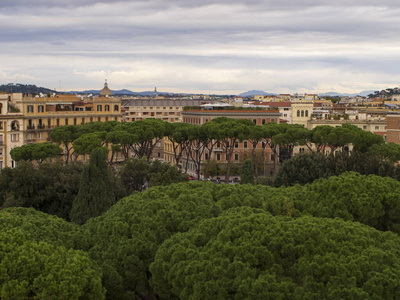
212, 47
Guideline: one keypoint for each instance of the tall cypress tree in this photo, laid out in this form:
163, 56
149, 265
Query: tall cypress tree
96, 193
247, 174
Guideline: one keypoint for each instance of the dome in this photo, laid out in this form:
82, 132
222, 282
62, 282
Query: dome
105, 91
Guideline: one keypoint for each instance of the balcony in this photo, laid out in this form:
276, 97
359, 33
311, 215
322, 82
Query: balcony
30, 127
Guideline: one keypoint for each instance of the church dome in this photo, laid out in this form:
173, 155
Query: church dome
105, 91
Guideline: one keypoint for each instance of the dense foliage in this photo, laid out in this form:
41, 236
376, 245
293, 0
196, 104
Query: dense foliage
171, 240
249, 254
307, 167
94, 196
39, 258
48, 187
138, 225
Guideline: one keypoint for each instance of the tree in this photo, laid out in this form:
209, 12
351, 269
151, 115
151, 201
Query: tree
231, 131
95, 195
133, 174
48, 187
289, 136
249, 254
389, 151
247, 174
301, 169
164, 174
88, 142
35, 152
39, 261
126, 238
65, 135
178, 135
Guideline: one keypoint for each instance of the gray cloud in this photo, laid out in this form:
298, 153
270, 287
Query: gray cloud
202, 45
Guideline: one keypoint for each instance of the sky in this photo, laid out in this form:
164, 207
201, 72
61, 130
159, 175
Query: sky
202, 46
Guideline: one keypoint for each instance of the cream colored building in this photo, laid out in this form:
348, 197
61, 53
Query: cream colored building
166, 109
302, 111
30, 119
11, 128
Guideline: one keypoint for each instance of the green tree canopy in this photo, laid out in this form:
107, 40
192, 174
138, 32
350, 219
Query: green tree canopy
389, 151
38, 259
126, 237
35, 152
247, 254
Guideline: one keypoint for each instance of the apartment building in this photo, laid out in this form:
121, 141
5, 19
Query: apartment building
30, 119
165, 109
11, 128
242, 149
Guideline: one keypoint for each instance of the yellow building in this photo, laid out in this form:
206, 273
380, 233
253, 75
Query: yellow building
11, 128
30, 119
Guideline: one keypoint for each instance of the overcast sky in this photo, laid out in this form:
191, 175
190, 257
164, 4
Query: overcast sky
202, 46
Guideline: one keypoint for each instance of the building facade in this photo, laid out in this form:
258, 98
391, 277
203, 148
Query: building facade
30, 119
242, 149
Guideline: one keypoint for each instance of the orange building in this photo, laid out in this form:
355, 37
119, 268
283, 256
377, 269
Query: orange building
242, 149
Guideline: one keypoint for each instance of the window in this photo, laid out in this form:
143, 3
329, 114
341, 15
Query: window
236, 156
1, 151
255, 121
106, 107
106, 119
83, 121
15, 137
74, 121
1, 165
91, 119
99, 107
365, 127
376, 127
298, 113
245, 144
58, 122
40, 108
99, 119
66, 121
40, 135
263, 121
30, 108
206, 156
218, 156
306, 113
302, 113
116, 107
1, 140
236, 144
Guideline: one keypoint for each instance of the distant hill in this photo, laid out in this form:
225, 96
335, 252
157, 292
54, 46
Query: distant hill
24, 88
252, 93
120, 92
335, 94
